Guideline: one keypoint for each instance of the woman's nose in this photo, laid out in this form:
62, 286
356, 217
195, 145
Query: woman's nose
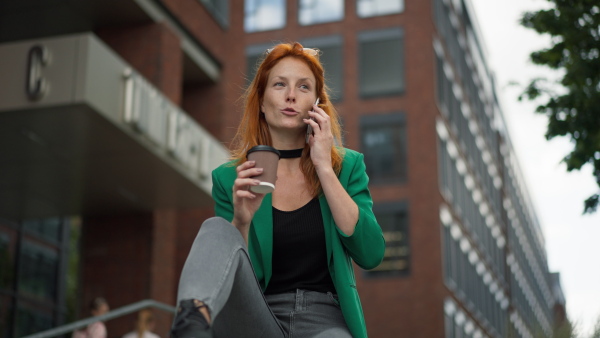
291, 98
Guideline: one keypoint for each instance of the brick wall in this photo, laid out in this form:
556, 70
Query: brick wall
115, 256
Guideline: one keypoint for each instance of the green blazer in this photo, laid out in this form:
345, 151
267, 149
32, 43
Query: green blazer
366, 246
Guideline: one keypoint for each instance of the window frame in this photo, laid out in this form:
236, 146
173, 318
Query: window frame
394, 208
386, 120
221, 15
300, 9
22, 301
364, 16
283, 3
393, 34
321, 43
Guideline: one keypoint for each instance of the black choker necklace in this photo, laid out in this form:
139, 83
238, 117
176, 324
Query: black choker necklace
290, 153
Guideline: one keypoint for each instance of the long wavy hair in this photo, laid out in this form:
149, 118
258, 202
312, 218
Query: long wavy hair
253, 129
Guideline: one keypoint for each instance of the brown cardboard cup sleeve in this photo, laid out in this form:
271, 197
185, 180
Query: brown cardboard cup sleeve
267, 158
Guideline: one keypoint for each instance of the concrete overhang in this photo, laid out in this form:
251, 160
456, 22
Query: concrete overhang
82, 133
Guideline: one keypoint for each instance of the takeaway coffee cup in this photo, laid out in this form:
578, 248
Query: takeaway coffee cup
266, 157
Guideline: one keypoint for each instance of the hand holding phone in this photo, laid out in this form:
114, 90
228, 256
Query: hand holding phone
309, 130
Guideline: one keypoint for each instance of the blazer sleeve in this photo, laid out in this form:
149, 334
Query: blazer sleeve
366, 245
222, 195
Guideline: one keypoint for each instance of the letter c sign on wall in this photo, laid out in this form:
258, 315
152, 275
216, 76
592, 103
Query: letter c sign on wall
36, 86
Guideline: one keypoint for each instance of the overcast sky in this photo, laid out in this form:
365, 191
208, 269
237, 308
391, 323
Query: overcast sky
572, 240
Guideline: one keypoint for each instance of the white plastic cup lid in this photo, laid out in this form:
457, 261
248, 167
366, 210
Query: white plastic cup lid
263, 188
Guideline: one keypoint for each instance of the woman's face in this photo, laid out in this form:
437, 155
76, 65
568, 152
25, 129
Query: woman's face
289, 95
102, 309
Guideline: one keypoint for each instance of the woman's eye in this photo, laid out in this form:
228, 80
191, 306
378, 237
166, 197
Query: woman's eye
279, 84
304, 87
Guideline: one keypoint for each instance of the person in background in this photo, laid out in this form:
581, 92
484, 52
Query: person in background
144, 326
98, 307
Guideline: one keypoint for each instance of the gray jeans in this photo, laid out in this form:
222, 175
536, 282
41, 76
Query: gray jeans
218, 271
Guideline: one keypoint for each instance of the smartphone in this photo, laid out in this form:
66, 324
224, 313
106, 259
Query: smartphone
309, 130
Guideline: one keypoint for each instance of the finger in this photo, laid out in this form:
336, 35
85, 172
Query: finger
244, 183
245, 194
245, 165
251, 172
311, 140
318, 109
315, 126
323, 126
320, 118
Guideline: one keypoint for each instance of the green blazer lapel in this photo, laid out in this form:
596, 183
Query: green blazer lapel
262, 223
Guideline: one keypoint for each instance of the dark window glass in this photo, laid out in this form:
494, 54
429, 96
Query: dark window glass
331, 57
33, 266
447, 240
6, 262
254, 55
319, 11
219, 9
263, 15
393, 219
440, 83
6, 313
32, 319
449, 325
368, 8
48, 228
381, 62
252, 63
383, 139
38, 271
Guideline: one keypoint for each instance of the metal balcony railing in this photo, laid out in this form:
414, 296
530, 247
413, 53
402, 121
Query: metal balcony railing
116, 313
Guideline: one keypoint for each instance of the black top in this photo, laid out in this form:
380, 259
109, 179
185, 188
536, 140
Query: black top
299, 253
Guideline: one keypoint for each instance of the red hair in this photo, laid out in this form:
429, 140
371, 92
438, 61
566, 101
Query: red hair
253, 129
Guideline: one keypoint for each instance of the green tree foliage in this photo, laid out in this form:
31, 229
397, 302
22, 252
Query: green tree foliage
565, 330
575, 51
596, 332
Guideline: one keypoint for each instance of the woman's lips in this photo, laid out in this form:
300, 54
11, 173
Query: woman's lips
289, 112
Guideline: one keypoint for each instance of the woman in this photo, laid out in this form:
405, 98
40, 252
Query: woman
144, 326
98, 307
290, 272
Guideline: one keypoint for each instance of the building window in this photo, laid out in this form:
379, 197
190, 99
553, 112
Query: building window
383, 139
33, 273
369, 8
32, 319
311, 12
264, 15
331, 57
219, 10
255, 55
49, 228
393, 219
38, 271
381, 62
449, 259
6, 261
